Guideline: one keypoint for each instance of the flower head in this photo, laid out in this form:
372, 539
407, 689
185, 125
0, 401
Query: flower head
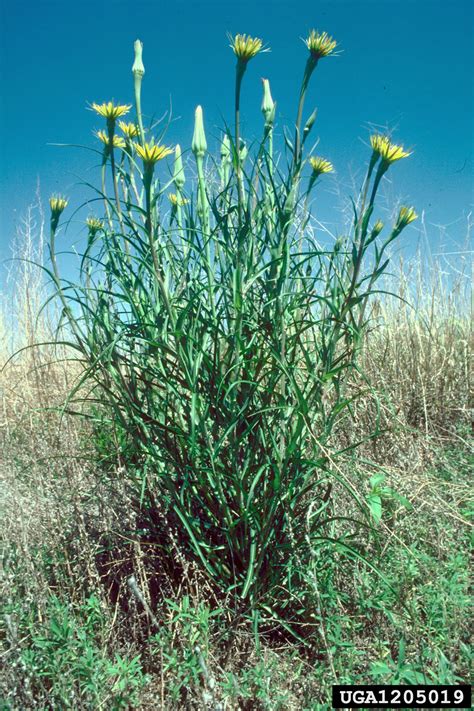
58, 204
245, 47
129, 130
110, 111
117, 141
405, 216
389, 152
151, 153
94, 224
320, 44
320, 166
377, 228
176, 200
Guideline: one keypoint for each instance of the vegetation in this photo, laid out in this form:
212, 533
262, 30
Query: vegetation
242, 468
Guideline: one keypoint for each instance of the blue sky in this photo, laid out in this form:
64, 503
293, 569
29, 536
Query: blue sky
404, 64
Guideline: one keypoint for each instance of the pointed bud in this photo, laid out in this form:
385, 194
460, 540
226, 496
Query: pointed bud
178, 175
405, 216
338, 244
377, 228
138, 69
268, 105
225, 150
199, 144
310, 122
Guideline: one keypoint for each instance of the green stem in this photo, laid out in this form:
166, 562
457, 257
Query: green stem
57, 283
238, 85
106, 201
138, 105
147, 179
309, 69
205, 228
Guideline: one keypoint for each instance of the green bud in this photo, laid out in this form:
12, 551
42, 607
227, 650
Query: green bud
138, 69
290, 202
338, 244
268, 105
178, 175
199, 144
405, 216
225, 150
377, 228
310, 122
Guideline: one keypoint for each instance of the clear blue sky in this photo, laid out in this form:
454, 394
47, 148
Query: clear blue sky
405, 64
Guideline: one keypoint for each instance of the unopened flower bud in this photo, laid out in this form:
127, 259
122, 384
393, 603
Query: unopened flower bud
225, 150
310, 122
338, 244
199, 144
405, 216
268, 105
377, 228
138, 68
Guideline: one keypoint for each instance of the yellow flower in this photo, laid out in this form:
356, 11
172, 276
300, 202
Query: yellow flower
389, 152
320, 44
320, 166
175, 200
377, 228
151, 153
130, 130
94, 224
111, 111
245, 47
57, 203
118, 142
405, 216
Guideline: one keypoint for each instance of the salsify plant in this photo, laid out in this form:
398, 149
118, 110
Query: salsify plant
220, 337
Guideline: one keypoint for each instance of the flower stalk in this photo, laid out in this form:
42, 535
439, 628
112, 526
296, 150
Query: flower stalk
138, 70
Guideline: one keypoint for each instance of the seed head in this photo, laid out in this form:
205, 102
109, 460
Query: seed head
151, 153
405, 216
320, 44
111, 111
129, 130
245, 47
320, 166
389, 152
